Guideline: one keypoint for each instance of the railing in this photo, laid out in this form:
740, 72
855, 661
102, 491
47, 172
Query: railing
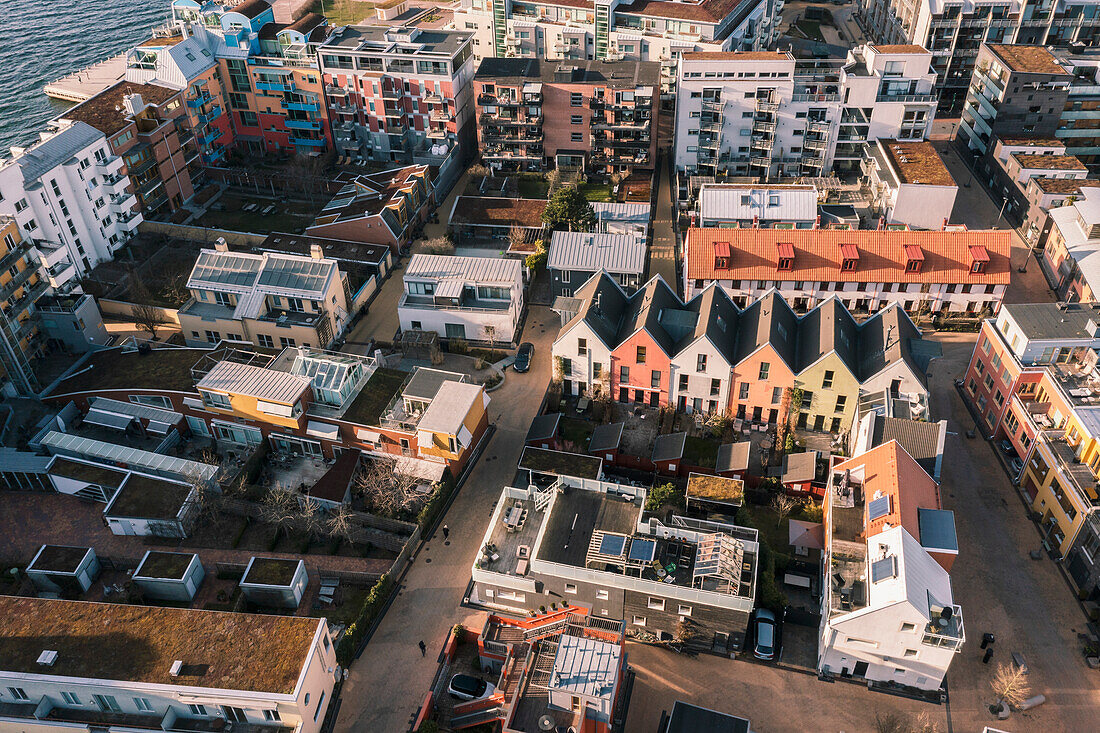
815, 97
951, 637
905, 98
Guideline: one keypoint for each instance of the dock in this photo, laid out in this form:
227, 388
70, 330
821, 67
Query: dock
88, 82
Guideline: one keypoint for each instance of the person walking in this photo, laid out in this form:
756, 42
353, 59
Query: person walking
446, 531
423, 649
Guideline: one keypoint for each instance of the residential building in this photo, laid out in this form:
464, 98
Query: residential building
192, 675
910, 184
613, 217
656, 30
576, 256
1072, 252
50, 189
773, 114
888, 611
269, 299
954, 32
921, 439
740, 205
593, 545
1044, 195
686, 718
595, 115
377, 208
923, 271
468, 298
21, 285
402, 95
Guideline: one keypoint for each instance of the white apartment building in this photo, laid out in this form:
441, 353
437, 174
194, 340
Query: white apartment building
469, 298
771, 114
954, 30
68, 665
69, 197
656, 30
909, 184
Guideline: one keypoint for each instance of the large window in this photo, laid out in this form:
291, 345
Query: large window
216, 400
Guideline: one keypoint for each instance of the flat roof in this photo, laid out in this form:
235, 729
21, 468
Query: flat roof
733, 456
91, 473
688, 718
58, 559
716, 489
799, 466
271, 571
900, 48
340, 250
1049, 162
917, 162
113, 641
449, 408
1027, 59
611, 74
147, 497
1067, 186
1048, 321
372, 399
271, 385
165, 565
162, 369
106, 111
426, 383
737, 56
498, 211
586, 666
578, 514
560, 463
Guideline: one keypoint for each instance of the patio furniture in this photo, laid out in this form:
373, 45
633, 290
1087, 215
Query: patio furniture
670, 568
494, 557
523, 551
658, 568
670, 579
582, 404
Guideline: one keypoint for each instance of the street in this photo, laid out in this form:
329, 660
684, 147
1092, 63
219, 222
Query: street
662, 253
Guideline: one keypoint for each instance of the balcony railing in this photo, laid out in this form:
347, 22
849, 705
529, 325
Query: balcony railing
946, 633
906, 98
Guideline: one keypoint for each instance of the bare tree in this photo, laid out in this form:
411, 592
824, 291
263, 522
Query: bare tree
146, 316
438, 246
894, 722
205, 505
386, 491
309, 519
1010, 685
517, 238
490, 332
280, 508
783, 505
339, 523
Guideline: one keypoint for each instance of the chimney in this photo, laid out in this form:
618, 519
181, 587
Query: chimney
817, 222
221, 245
882, 222
944, 228
133, 104
756, 221
315, 252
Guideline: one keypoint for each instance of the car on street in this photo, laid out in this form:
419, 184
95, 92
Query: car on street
765, 634
1017, 466
523, 357
467, 687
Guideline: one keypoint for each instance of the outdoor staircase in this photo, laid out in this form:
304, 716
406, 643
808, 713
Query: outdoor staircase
469, 720
543, 496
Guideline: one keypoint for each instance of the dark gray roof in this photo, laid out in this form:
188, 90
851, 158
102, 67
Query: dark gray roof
768, 320
657, 310
733, 457
937, 529
606, 437
611, 74
1054, 320
669, 447
799, 467
828, 327
687, 718
544, 426
45, 155
560, 463
425, 383
922, 440
602, 306
888, 337
718, 319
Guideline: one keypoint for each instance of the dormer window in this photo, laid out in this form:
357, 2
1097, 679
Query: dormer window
914, 258
849, 257
979, 258
786, 256
721, 256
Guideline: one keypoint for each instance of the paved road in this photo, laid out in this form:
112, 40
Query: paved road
662, 252
389, 681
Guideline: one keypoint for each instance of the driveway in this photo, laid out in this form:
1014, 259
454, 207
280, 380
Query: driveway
388, 683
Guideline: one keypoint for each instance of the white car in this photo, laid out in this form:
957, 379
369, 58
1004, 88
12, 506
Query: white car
465, 687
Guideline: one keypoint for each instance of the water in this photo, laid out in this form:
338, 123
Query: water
41, 40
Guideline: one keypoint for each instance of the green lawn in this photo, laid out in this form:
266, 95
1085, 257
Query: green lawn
348, 610
763, 518
533, 188
576, 431
702, 452
344, 12
596, 191
375, 395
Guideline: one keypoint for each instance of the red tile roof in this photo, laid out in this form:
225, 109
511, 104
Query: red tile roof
889, 471
818, 255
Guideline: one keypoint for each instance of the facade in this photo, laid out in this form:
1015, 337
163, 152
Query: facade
402, 95
910, 184
377, 208
954, 31
1070, 258
593, 545
468, 298
538, 115
656, 30
739, 205
772, 114
576, 256
269, 299
193, 676
923, 271
169, 576
21, 287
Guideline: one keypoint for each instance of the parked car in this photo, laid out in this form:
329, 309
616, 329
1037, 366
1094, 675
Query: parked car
765, 635
1006, 446
1017, 466
466, 687
523, 357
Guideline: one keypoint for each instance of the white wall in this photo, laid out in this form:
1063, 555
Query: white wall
922, 207
699, 383
435, 319
566, 347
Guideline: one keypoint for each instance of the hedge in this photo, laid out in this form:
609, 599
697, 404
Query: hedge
430, 513
372, 607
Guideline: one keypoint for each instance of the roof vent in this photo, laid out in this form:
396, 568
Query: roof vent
174, 670
47, 657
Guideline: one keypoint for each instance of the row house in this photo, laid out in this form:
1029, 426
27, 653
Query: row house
775, 114
382, 208
397, 94
192, 676
888, 615
538, 115
1069, 259
656, 30
954, 32
1032, 380
922, 271
910, 184
764, 363
302, 401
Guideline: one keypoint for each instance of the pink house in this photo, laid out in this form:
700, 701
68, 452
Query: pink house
762, 364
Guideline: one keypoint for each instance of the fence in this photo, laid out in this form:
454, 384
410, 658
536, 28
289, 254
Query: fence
201, 234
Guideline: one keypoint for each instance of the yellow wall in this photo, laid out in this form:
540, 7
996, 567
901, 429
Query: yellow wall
824, 399
440, 442
1041, 474
246, 407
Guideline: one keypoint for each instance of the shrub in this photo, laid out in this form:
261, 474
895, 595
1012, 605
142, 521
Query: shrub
661, 495
812, 512
427, 516
371, 608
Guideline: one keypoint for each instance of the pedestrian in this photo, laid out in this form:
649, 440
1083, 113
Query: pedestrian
446, 531
423, 649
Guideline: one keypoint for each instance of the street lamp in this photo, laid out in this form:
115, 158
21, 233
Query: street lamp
1000, 215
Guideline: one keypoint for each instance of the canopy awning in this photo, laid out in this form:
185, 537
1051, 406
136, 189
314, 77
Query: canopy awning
158, 428
108, 419
325, 430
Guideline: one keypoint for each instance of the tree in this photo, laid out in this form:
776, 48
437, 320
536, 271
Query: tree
537, 259
893, 722
279, 508
554, 179
147, 317
517, 238
439, 246
385, 490
783, 505
490, 332
1010, 685
570, 208
339, 523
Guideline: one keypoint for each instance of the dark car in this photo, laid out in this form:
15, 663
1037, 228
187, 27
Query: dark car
1006, 446
466, 687
523, 357
1017, 466
765, 634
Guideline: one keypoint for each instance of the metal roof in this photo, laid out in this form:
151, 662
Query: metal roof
937, 530
135, 459
591, 252
236, 270
289, 272
584, 666
253, 381
449, 408
471, 269
614, 211
722, 202
669, 447
143, 412
246, 273
425, 383
17, 461
46, 155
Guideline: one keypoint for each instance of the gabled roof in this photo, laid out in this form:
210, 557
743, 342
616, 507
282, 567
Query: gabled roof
889, 337
593, 251
921, 439
658, 311
769, 320
717, 320
892, 477
826, 329
919, 580
602, 305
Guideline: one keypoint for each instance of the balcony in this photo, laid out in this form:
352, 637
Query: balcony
441, 116
312, 125
272, 86
109, 166
392, 93
15, 254
907, 98
337, 91
813, 144
307, 141
762, 142
432, 98
208, 136
815, 98
122, 202
199, 101
946, 631
303, 106
1079, 476
16, 282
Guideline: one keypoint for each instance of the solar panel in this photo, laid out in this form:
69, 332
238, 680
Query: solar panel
642, 550
883, 569
612, 544
879, 507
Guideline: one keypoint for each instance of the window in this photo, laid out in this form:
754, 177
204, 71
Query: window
17, 693
575, 120
582, 346
320, 702
908, 626
576, 137
765, 367
216, 400
213, 336
683, 382
224, 299
841, 401
107, 703
152, 400
715, 387
744, 393
910, 652
684, 610
272, 715
265, 341
657, 604
655, 379
576, 100
143, 704
286, 343
571, 588
701, 363
640, 355
602, 595
827, 382
638, 621
624, 374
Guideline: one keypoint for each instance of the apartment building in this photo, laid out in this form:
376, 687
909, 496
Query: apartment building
575, 257
954, 32
60, 670
1031, 379
401, 94
595, 115
568, 537
467, 298
382, 208
1070, 257
910, 184
707, 355
271, 299
922, 271
774, 114
656, 30
51, 189
738, 205
21, 285
888, 612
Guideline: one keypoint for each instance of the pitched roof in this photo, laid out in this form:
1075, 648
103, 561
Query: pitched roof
593, 251
722, 201
669, 447
606, 437
467, 269
886, 338
768, 320
45, 155
544, 426
921, 439
818, 255
889, 471
733, 456
717, 320
827, 328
